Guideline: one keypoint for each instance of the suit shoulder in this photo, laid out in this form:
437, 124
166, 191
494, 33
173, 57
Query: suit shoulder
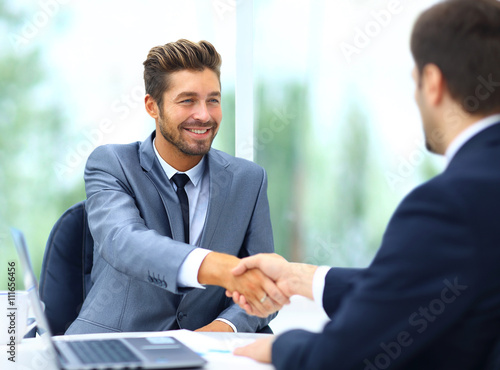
109, 152
435, 189
456, 193
116, 149
238, 164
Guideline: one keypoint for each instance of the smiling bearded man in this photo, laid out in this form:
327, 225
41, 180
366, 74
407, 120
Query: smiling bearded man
170, 214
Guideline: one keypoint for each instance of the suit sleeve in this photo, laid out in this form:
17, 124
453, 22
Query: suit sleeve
414, 290
258, 239
120, 235
338, 282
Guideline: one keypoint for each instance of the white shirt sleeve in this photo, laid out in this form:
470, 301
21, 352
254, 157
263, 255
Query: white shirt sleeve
229, 323
188, 272
318, 285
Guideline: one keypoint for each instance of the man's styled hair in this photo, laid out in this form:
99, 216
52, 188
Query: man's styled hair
176, 56
462, 37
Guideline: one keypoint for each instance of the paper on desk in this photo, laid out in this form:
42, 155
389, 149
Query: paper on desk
214, 349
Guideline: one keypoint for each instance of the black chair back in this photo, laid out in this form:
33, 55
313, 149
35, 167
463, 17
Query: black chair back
67, 263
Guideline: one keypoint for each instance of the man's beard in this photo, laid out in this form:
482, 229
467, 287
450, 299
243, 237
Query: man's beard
201, 147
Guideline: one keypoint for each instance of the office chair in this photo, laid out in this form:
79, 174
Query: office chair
67, 263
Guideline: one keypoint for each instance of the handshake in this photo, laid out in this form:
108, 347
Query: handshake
260, 284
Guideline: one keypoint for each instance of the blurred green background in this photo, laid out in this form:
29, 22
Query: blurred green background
338, 133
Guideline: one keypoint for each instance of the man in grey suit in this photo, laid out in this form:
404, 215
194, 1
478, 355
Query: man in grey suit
170, 215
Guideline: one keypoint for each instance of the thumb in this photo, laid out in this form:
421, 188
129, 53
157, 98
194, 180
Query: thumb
239, 351
245, 264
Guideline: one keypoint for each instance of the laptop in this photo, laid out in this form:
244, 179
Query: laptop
154, 352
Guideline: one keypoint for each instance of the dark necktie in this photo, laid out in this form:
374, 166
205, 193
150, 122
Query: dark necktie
180, 180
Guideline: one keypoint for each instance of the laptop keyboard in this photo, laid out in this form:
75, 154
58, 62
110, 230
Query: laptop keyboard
103, 351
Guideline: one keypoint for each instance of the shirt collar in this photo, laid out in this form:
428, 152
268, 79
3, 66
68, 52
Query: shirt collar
194, 173
468, 133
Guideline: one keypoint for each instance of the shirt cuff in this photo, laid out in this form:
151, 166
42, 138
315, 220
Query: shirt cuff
229, 323
188, 272
318, 285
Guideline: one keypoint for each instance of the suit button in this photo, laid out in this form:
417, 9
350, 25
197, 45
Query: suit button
180, 315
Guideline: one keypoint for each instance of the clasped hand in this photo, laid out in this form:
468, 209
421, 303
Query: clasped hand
271, 272
259, 293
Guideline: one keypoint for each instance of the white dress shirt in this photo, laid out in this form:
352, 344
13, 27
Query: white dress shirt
468, 133
453, 148
198, 193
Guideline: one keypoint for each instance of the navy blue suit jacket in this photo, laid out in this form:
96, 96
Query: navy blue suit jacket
431, 297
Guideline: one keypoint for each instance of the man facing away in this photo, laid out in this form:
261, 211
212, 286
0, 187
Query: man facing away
169, 214
431, 297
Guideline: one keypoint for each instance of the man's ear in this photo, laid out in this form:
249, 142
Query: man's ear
151, 106
433, 84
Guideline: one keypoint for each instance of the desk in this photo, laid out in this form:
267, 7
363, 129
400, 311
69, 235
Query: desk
214, 347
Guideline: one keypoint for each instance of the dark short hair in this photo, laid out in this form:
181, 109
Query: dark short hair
176, 56
462, 37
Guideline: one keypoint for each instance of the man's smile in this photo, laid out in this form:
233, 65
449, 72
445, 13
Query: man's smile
198, 131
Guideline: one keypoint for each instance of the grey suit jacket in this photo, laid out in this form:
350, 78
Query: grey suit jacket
135, 219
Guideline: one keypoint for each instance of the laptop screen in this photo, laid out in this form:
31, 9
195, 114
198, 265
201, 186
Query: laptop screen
48, 356
170, 353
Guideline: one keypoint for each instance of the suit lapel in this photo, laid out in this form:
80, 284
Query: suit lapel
169, 198
220, 184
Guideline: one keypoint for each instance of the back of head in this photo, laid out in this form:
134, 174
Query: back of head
176, 56
462, 37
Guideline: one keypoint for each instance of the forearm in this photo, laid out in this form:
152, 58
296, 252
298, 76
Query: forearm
338, 282
216, 269
244, 322
217, 326
300, 279
292, 350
